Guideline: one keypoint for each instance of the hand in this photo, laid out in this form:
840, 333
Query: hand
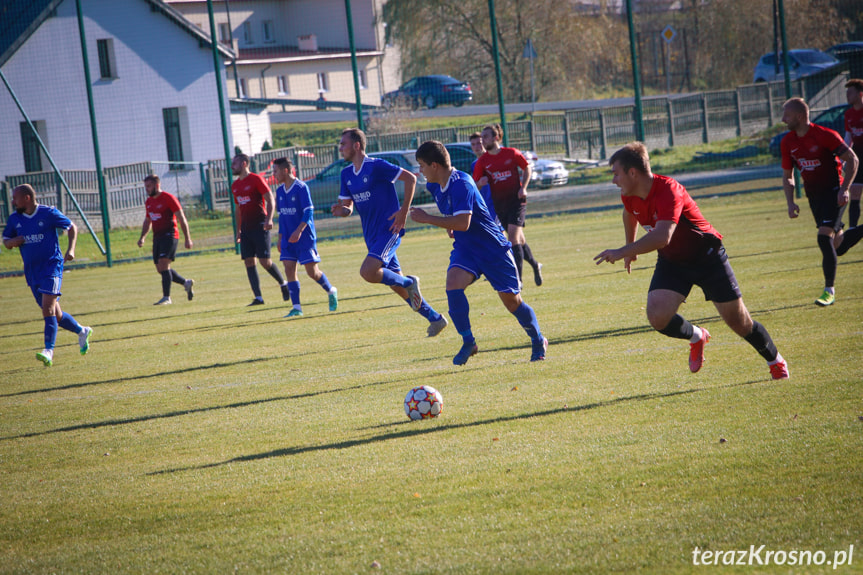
239, 235
189, 243
522, 194
141, 243
295, 237
793, 210
609, 256
268, 225
450, 233
16, 242
339, 211
842, 198
627, 262
70, 255
399, 218
483, 182
419, 215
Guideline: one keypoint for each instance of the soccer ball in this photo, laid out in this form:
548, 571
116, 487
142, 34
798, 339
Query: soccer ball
423, 402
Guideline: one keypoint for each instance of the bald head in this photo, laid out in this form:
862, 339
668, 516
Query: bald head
795, 114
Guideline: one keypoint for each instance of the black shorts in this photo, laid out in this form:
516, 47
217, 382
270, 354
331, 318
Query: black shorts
164, 247
711, 272
255, 243
825, 209
511, 212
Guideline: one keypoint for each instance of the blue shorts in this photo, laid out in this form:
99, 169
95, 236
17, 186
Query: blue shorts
49, 285
384, 248
304, 251
497, 266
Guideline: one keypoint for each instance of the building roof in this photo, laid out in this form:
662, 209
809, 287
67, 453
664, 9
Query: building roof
20, 18
294, 54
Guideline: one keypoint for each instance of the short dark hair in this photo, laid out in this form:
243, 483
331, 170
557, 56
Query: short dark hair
496, 130
25, 189
475, 135
434, 152
284, 163
357, 136
855, 83
243, 157
632, 155
152, 178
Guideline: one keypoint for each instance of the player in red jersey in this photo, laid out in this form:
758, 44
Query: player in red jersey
163, 212
816, 152
254, 221
499, 168
690, 253
854, 139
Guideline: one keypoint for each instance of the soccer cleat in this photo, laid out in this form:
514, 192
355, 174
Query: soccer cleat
539, 349
166, 300
696, 351
295, 313
256, 301
84, 340
826, 299
334, 300
286, 293
436, 327
780, 370
415, 298
188, 285
537, 274
46, 356
467, 350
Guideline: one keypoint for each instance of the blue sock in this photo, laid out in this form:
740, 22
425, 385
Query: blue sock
294, 289
391, 278
50, 331
325, 283
527, 318
427, 311
459, 311
68, 322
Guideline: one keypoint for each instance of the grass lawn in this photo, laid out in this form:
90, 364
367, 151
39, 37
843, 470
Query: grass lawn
207, 437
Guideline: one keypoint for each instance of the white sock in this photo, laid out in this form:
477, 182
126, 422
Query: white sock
697, 334
332, 289
778, 359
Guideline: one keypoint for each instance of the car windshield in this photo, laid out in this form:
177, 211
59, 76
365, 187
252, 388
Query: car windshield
814, 58
334, 170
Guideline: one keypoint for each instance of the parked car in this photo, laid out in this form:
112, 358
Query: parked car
461, 155
324, 187
548, 173
802, 63
429, 91
833, 118
842, 52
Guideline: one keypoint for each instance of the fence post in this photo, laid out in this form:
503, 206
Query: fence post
532, 134
769, 104
704, 119
567, 135
58, 190
739, 112
671, 133
206, 193
603, 137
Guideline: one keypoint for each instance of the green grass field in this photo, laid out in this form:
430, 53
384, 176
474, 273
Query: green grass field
207, 437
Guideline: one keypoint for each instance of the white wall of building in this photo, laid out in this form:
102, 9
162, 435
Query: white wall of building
251, 127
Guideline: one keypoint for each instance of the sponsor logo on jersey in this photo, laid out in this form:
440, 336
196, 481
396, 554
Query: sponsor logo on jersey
243, 200
501, 176
362, 196
154, 216
288, 211
33, 238
808, 164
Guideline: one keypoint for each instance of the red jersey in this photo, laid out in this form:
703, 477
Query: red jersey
854, 126
249, 194
161, 210
502, 172
815, 155
669, 200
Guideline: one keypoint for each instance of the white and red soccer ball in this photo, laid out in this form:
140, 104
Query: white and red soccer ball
423, 402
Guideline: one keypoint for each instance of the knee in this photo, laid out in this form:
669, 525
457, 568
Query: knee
658, 318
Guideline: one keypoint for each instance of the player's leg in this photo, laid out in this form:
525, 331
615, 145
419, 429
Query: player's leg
314, 272
247, 253
48, 302
537, 267
293, 286
457, 280
856, 191
262, 251
515, 235
502, 276
69, 323
829, 262
736, 316
164, 248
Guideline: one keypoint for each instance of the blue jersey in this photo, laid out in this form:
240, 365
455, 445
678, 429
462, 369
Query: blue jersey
373, 192
461, 196
41, 248
292, 204
485, 192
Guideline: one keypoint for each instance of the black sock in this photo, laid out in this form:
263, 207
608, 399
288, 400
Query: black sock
853, 213
177, 278
518, 254
274, 271
528, 256
850, 238
252, 272
828, 259
166, 283
678, 328
761, 341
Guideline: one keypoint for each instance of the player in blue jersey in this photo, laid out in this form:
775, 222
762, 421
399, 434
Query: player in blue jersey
369, 185
297, 240
33, 229
480, 248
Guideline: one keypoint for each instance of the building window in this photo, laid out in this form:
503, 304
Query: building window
30, 145
244, 89
364, 82
247, 33
284, 89
268, 31
323, 82
107, 63
225, 34
173, 120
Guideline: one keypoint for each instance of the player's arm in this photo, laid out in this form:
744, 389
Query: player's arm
145, 229
343, 208
73, 241
457, 222
239, 216
525, 181
269, 208
400, 217
184, 225
788, 187
655, 239
12, 242
630, 227
301, 227
849, 170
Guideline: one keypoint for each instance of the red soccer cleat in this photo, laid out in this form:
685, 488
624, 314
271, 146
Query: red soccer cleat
780, 370
696, 351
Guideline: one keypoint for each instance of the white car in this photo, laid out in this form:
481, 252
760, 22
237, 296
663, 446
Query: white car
548, 173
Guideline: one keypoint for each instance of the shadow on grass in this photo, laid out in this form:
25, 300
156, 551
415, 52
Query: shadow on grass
415, 432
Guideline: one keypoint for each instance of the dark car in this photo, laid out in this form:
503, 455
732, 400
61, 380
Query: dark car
843, 52
325, 187
833, 118
429, 91
802, 63
461, 156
